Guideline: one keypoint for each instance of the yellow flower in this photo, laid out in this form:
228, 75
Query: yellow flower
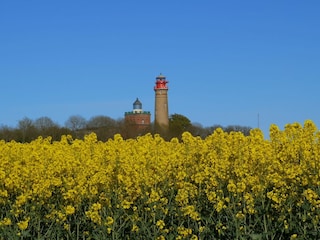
232, 187
94, 216
293, 236
135, 228
149, 178
241, 186
286, 225
190, 211
6, 222
66, 226
69, 210
160, 224
126, 204
3, 193
109, 221
240, 215
96, 206
21, 200
184, 232
23, 225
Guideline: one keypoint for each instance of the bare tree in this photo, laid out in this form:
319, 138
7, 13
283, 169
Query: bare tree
6, 133
105, 127
76, 122
26, 128
44, 123
100, 121
237, 128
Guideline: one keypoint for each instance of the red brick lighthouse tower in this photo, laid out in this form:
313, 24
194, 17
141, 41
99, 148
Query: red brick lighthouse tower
161, 104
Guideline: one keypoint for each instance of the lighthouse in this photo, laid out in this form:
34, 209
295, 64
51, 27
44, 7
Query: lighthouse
137, 121
161, 104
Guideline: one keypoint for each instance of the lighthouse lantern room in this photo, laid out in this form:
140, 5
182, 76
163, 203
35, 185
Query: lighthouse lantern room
161, 82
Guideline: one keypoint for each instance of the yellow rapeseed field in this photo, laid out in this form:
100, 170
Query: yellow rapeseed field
226, 186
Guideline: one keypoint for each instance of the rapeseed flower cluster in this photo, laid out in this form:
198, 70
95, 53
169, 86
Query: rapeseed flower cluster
226, 186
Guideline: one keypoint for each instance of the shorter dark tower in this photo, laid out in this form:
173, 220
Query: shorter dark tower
137, 121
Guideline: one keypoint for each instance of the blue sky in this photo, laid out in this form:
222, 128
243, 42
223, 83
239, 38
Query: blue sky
245, 63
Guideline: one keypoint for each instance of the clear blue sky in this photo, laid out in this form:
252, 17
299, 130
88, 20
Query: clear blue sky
227, 62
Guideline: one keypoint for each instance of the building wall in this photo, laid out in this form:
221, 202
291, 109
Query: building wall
161, 108
138, 120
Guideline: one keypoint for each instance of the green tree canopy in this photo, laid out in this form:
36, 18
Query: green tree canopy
178, 124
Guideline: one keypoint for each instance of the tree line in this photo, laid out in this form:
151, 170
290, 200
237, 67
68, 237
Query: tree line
105, 128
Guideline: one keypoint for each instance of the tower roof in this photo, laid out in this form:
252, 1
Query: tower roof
137, 102
161, 76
